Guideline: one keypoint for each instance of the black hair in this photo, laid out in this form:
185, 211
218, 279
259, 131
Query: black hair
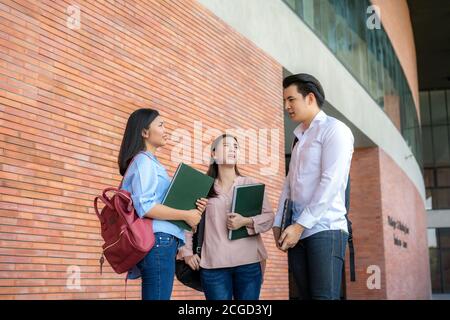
133, 141
306, 84
213, 170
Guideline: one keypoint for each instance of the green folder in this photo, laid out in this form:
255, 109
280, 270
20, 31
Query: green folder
248, 202
188, 185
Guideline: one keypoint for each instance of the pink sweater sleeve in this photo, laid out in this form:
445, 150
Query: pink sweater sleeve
262, 222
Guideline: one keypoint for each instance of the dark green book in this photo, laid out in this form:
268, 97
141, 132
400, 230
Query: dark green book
188, 185
248, 202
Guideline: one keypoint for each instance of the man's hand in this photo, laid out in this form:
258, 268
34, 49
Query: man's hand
290, 236
236, 221
276, 235
193, 261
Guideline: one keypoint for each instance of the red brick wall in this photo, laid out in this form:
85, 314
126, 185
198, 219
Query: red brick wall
407, 268
65, 96
365, 214
380, 189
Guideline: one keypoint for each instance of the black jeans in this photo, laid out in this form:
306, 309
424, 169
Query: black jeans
316, 264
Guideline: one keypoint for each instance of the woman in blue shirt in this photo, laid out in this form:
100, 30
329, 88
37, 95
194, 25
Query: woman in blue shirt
147, 181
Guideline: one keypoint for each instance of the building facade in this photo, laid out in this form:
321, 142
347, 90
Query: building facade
435, 110
72, 73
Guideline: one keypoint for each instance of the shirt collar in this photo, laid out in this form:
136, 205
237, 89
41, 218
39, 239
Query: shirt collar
151, 155
300, 129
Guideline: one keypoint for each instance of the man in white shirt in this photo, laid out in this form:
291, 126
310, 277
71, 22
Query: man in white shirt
318, 174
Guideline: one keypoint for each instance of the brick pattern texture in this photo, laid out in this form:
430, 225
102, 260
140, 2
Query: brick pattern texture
65, 96
381, 190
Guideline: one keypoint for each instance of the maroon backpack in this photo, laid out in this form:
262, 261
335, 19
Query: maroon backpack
128, 238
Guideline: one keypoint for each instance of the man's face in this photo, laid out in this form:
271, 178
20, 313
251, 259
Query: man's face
297, 106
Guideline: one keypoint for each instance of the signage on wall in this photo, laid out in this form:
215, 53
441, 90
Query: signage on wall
398, 225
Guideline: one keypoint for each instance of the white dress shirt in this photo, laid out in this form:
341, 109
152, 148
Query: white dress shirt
318, 174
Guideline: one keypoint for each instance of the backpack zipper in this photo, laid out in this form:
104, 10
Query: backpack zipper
102, 259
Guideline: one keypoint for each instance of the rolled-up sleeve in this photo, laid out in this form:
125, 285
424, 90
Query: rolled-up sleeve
262, 222
144, 181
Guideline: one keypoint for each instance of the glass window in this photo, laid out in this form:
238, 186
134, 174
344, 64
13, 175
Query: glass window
441, 198
443, 177
438, 107
429, 178
368, 55
445, 270
292, 4
328, 25
441, 146
425, 108
428, 158
308, 12
448, 106
444, 238
435, 270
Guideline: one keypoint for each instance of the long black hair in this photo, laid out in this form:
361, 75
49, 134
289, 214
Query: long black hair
132, 141
213, 169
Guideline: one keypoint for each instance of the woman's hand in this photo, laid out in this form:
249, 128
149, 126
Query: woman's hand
193, 217
201, 204
236, 221
193, 261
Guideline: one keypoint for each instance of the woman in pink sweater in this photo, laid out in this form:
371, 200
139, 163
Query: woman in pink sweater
229, 268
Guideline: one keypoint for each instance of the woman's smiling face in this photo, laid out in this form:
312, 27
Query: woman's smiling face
156, 134
226, 151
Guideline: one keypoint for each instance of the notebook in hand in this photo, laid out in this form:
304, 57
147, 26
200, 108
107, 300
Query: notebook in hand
286, 219
188, 185
247, 201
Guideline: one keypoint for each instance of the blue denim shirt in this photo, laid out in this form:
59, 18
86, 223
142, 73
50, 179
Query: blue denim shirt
147, 181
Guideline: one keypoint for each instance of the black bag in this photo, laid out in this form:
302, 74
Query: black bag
184, 273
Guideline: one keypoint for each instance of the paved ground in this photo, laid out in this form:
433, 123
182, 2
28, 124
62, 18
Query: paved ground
441, 297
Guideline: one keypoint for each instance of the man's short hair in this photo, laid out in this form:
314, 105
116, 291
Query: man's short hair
306, 84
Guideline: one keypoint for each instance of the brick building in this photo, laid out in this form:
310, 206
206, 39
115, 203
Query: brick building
69, 79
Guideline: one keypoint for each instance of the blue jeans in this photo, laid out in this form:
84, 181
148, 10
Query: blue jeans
158, 268
316, 263
241, 282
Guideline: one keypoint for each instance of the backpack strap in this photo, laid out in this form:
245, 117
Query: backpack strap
197, 238
351, 246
